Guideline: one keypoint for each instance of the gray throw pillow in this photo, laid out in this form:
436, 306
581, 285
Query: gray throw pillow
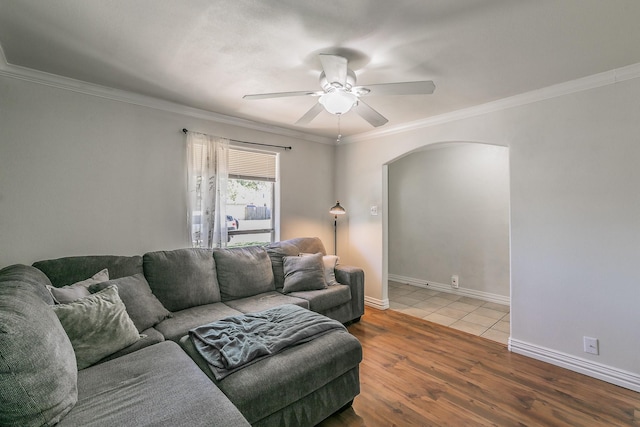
70, 293
303, 273
97, 326
142, 306
38, 375
330, 262
292, 247
243, 272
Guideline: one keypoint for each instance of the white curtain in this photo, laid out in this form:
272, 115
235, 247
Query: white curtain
207, 161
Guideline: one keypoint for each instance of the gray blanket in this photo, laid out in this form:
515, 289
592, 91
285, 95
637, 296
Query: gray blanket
234, 342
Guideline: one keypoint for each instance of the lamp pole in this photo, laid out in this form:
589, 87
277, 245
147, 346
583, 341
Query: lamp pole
335, 211
335, 235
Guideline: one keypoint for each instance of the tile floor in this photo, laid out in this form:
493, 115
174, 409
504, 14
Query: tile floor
486, 319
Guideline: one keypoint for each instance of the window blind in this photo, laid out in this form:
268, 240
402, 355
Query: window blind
254, 165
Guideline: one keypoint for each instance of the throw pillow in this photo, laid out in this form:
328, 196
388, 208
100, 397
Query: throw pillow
70, 293
330, 262
142, 306
243, 272
97, 325
291, 247
303, 273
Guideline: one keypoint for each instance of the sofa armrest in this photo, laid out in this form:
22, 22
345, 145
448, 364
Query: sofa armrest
354, 278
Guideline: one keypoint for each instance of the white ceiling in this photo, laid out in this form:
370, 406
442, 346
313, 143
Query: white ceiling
207, 54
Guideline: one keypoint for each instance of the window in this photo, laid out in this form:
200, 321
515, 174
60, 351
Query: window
250, 203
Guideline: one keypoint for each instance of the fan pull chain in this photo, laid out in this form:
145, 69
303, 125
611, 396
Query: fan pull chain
339, 131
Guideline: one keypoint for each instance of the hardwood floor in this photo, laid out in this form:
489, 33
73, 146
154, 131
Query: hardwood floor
417, 373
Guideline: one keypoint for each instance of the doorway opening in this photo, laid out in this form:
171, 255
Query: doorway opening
447, 236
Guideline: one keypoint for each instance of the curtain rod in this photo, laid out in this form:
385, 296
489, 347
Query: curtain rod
185, 130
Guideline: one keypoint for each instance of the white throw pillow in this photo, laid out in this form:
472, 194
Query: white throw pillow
330, 262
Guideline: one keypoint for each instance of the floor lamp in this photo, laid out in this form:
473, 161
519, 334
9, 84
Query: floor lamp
335, 211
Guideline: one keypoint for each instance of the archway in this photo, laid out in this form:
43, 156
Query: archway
447, 216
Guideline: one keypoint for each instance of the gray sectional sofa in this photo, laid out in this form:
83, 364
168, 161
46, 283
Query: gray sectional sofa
150, 373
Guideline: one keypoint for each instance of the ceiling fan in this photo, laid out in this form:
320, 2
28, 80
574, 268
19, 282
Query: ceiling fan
340, 94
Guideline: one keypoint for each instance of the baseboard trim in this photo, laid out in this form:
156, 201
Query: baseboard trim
485, 296
380, 304
596, 370
592, 369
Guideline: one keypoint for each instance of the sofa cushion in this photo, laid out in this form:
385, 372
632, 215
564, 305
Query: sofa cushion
278, 250
243, 272
38, 375
97, 326
179, 324
264, 301
68, 270
182, 278
147, 337
70, 293
142, 306
303, 273
156, 386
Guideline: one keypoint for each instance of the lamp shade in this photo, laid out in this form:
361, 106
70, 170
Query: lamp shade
337, 209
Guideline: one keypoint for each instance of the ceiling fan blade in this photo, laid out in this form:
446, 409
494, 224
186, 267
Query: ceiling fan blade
335, 68
406, 88
282, 94
369, 114
311, 114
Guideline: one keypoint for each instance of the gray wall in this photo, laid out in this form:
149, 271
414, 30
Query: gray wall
575, 216
449, 214
81, 174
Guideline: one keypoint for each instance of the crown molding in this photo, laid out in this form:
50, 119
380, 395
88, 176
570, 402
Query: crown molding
586, 83
73, 85
582, 84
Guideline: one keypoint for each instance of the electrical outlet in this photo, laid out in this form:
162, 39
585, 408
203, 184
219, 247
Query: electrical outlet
591, 345
374, 210
454, 281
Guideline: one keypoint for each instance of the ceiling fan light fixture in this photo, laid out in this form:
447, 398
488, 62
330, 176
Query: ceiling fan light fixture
340, 94
338, 101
